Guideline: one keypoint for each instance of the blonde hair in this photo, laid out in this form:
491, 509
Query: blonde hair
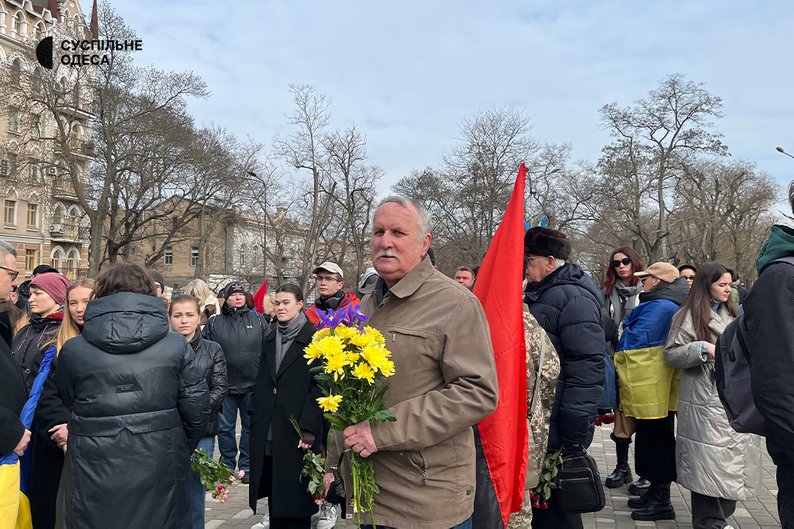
198, 289
69, 328
269, 302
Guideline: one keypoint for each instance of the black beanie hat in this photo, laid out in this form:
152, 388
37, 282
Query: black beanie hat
235, 287
544, 242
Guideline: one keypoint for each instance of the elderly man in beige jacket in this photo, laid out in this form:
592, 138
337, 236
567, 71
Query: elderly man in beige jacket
445, 380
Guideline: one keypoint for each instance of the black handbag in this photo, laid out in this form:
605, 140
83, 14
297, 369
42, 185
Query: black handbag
579, 487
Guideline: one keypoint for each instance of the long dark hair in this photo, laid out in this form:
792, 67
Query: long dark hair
124, 277
699, 301
637, 265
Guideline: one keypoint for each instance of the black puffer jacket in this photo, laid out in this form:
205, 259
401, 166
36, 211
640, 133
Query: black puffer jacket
209, 357
138, 398
32, 341
568, 305
12, 396
241, 333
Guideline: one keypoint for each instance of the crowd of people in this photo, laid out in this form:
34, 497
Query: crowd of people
128, 384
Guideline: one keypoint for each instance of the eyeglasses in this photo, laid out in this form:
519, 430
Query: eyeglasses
326, 279
11, 272
689, 278
625, 261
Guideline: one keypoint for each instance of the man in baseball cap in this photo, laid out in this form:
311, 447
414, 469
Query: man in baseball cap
330, 294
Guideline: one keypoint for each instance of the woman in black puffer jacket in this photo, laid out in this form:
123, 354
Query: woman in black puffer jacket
185, 315
139, 406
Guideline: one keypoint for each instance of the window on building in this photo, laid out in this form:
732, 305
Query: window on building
35, 173
13, 119
16, 73
31, 260
35, 126
18, 24
57, 217
39, 31
242, 257
12, 164
35, 81
168, 256
194, 255
4, 167
71, 265
33, 215
10, 216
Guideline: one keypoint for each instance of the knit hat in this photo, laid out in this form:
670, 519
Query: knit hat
53, 284
662, 271
544, 242
235, 287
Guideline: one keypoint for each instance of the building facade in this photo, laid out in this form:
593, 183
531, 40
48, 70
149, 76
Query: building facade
41, 213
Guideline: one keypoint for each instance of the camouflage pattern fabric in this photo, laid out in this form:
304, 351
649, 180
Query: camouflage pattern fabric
538, 417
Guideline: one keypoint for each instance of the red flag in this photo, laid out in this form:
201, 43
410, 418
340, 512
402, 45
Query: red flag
259, 298
504, 433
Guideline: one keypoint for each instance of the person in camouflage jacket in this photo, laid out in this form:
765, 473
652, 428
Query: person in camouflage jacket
540, 410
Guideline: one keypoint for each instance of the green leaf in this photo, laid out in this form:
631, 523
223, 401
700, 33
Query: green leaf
384, 416
337, 423
546, 494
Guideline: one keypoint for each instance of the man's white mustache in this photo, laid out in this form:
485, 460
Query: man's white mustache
386, 253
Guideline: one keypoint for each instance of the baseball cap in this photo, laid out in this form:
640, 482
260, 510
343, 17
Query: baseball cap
328, 266
663, 271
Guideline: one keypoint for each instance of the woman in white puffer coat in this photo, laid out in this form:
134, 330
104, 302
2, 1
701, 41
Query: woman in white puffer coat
718, 465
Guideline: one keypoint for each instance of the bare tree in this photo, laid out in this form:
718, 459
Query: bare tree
303, 150
654, 139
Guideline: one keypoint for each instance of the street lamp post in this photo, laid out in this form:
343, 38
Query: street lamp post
782, 151
264, 230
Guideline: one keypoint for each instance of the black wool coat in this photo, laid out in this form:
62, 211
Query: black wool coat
139, 406
290, 392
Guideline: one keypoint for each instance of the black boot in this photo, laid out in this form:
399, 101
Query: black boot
639, 487
622, 472
639, 503
657, 506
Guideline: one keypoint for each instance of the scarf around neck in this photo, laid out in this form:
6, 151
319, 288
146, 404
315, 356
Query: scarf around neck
285, 335
623, 300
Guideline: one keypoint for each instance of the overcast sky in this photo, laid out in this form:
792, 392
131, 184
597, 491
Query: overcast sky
406, 73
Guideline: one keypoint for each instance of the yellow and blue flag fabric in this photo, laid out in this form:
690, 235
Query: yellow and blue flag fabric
15, 471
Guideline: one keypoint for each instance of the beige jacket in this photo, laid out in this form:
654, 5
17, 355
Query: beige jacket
444, 382
711, 458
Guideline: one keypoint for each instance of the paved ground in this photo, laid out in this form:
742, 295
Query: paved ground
760, 512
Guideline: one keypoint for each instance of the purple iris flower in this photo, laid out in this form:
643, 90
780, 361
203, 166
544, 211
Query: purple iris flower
349, 315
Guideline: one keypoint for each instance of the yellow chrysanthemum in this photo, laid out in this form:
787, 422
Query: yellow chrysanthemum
331, 345
363, 371
387, 368
335, 364
362, 340
322, 333
345, 333
330, 403
313, 352
375, 355
353, 357
375, 335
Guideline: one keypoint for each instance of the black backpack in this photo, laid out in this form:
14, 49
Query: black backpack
732, 373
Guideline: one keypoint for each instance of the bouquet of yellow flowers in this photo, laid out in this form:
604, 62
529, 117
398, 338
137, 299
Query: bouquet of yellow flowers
353, 363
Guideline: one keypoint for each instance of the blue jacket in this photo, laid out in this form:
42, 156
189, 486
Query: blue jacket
568, 306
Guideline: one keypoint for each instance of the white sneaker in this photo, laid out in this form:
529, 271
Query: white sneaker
327, 516
264, 523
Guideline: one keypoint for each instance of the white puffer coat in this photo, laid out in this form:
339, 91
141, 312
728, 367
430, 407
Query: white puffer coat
712, 459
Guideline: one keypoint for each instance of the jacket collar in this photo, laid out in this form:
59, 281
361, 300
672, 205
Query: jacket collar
414, 279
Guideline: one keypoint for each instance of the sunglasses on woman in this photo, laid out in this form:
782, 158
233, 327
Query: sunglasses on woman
625, 261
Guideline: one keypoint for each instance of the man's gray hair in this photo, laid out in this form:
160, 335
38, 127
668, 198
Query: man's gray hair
424, 215
7, 248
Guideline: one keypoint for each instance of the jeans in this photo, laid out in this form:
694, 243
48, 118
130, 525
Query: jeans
227, 427
462, 525
196, 489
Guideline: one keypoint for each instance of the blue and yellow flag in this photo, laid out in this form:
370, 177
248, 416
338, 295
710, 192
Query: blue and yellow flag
15, 471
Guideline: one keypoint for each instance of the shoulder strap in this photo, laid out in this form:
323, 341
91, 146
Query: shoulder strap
537, 377
788, 259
